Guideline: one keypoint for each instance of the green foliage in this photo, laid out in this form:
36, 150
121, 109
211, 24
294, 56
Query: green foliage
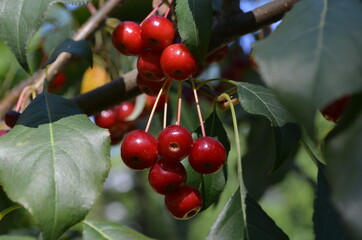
314, 57
44, 168
19, 20
109, 231
194, 25
262, 101
79, 48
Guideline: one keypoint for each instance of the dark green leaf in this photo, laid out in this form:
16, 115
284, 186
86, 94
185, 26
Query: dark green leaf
314, 56
16, 238
20, 19
343, 154
327, 224
230, 224
194, 20
260, 157
79, 48
259, 100
53, 162
210, 185
109, 231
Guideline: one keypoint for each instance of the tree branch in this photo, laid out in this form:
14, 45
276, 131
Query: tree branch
224, 31
84, 32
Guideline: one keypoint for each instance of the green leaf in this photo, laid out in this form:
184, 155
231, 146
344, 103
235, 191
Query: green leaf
194, 21
210, 185
259, 100
230, 224
79, 48
260, 157
109, 231
327, 222
7, 237
314, 57
54, 162
343, 154
19, 19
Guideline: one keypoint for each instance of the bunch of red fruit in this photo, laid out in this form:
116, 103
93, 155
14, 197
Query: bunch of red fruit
167, 176
159, 58
115, 120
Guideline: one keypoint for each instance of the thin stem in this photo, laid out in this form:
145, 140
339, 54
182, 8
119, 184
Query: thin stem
154, 107
8, 210
167, 12
198, 108
179, 102
243, 191
152, 12
91, 8
24, 94
166, 106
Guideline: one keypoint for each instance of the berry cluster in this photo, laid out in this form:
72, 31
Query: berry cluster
159, 57
167, 176
115, 120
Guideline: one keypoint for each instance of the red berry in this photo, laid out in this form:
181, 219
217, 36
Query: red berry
334, 111
148, 65
139, 150
106, 119
58, 82
118, 131
150, 101
177, 62
207, 155
3, 132
158, 32
11, 118
165, 177
183, 203
124, 110
126, 38
174, 143
151, 88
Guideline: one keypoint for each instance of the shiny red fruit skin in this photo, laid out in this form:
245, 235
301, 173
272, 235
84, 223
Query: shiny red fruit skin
174, 143
3, 132
58, 82
151, 88
11, 117
207, 155
177, 62
334, 111
183, 203
124, 110
151, 100
126, 38
165, 177
157, 32
148, 65
139, 150
106, 119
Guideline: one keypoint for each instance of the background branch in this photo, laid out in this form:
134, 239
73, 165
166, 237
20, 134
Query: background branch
225, 30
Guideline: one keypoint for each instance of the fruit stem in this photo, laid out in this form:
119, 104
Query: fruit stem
243, 190
24, 94
167, 12
8, 210
154, 106
179, 102
198, 108
165, 106
152, 12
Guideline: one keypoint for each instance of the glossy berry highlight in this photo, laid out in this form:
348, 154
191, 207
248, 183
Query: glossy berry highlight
139, 150
177, 62
165, 177
207, 155
157, 32
183, 203
106, 119
126, 38
174, 143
